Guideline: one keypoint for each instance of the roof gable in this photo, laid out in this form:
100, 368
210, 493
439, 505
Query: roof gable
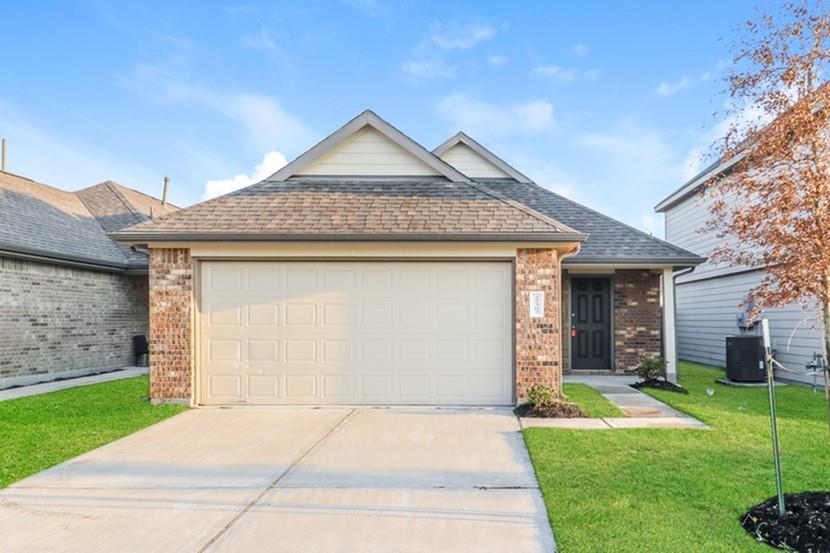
471, 164
368, 146
461, 149
368, 153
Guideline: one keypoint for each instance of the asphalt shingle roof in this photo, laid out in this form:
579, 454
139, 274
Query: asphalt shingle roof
38, 219
608, 239
359, 206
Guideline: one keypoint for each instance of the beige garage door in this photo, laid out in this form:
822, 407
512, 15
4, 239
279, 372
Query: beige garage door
424, 333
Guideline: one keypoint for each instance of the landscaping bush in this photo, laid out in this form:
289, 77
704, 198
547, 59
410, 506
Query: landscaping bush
652, 372
546, 402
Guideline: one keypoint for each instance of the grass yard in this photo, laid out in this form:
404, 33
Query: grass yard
40, 431
591, 401
645, 490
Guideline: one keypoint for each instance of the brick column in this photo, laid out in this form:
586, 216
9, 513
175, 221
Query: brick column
637, 317
171, 324
538, 340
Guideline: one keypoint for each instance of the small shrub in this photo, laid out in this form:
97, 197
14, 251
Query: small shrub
651, 367
541, 396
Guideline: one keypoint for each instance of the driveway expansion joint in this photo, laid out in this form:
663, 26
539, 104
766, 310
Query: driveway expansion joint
275, 482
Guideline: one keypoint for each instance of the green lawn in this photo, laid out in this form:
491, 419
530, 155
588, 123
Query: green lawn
679, 490
40, 431
591, 401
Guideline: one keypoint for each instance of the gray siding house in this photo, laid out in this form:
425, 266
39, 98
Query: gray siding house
71, 299
709, 297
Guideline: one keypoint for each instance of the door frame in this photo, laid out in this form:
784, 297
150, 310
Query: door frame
196, 302
612, 363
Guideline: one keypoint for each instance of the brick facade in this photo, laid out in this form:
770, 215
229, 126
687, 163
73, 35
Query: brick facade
638, 317
171, 324
538, 340
64, 321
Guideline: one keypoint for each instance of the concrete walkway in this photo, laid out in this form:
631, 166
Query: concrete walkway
642, 410
291, 479
55, 385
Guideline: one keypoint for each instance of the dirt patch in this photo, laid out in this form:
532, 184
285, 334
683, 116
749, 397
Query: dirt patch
805, 526
559, 410
660, 384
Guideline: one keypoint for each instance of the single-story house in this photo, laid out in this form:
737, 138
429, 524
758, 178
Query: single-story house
710, 298
371, 270
71, 298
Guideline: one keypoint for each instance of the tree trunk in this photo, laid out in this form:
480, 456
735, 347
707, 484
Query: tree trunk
825, 319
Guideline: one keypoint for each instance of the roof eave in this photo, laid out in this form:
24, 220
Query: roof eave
147, 237
43, 256
688, 261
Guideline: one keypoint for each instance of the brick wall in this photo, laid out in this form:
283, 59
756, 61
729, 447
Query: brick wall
171, 324
637, 317
58, 321
538, 340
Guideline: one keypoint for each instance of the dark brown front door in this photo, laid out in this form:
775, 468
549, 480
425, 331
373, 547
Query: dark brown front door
591, 323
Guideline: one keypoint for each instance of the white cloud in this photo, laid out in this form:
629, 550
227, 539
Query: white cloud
423, 69
271, 162
564, 74
487, 119
666, 88
266, 124
460, 36
580, 50
498, 61
428, 59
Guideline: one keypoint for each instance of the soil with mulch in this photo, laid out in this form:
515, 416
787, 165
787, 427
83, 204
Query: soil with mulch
805, 526
660, 384
559, 410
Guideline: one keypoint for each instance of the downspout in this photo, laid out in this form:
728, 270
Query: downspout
562, 334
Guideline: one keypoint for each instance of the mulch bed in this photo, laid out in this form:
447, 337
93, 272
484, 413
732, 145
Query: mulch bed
805, 527
660, 384
560, 410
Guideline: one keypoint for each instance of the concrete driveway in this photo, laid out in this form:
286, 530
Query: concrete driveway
290, 479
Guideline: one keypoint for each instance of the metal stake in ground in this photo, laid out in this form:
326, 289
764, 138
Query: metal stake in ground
773, 416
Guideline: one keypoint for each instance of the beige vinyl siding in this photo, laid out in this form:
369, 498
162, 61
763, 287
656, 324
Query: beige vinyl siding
370, 153
706, 315
470, 163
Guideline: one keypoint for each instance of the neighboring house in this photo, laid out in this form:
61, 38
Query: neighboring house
71, 298
370, 270
709, 298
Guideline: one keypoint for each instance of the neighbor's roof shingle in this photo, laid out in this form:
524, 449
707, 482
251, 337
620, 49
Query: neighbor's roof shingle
41, 220
608, 239
312, 207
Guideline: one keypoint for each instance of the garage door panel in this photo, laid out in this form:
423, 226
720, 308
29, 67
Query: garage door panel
355, 333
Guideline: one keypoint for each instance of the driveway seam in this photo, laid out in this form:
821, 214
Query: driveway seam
340, 423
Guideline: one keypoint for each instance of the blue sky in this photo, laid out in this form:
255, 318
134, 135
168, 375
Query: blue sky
609, 103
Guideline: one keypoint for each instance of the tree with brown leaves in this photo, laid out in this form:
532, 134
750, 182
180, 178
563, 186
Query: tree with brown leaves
772, 203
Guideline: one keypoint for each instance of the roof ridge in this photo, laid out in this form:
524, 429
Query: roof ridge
607, 217
527, 210
150, 196
118, 246
109, 184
